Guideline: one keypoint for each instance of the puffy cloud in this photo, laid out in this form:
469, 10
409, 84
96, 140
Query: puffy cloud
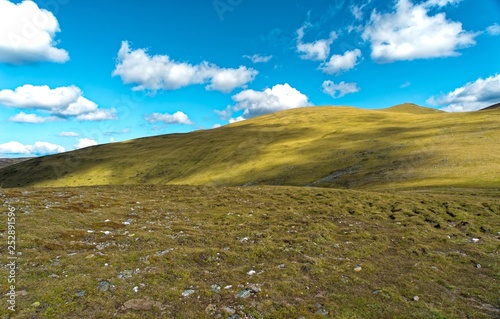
31, 118
339, 90
493, 29
470, 97
279, 97
66, 101
318, 50
27, 34
176, 118
410, 33
159, 72
238, 119
341, 63
39, 148
256, 58
68, 134
216, 125
85, 142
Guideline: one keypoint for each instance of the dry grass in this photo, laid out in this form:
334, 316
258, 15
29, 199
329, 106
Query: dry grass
407, 243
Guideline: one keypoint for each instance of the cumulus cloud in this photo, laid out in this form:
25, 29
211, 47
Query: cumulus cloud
176, 118
85, 142
68, 134
341, 63
37, 149
27, 34
493, 29
159, 72
410, 33
318, 50
279, 97
62, 102
31, 118
256, 58
470, 97
339, 90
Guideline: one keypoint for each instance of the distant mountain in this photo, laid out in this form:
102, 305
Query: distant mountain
4, 162
400, 147
493, 107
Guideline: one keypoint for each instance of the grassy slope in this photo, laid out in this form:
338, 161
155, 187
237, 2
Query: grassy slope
407, 243
406, 146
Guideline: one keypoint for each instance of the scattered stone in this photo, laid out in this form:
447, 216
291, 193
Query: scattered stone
475, 240
235, 316
229, 310
54, 276
136, 289
21, 293
228, 287
80, 293
90, 256
127, 222
216, 288
163, 252
415, 298
141, 304
282, 266
187, 293
357, 268
36, 304
210, 309
255, 288
376, 292
244, 239
103, 285
323, 312
244, 294
107, 221
106, 232
125, 274
251, 272
478, 266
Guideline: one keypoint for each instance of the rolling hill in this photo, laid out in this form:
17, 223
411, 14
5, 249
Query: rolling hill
405, 146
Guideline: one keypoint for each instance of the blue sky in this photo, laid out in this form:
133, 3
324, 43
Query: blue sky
78, 73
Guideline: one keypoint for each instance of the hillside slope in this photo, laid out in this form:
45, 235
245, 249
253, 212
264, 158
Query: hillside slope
318, 146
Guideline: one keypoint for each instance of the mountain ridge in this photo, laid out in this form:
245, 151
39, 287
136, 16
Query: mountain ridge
329, 146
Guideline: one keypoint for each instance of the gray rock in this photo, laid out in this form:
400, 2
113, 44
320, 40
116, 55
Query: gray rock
125, 274
80, 294
103, 285
228, 310
244, 294
216, 288
187, 293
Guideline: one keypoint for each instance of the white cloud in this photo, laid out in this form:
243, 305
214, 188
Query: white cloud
176, 118
85, 142
318, 50
405, 85
279, 97
159, 72
39, 148
440, 3
339, 90
470, 97
31, 118
27, 34
256, 58
410, 33
68, 134
357, 12
238, 119
340, 63
66, 101
493, 29
216, 126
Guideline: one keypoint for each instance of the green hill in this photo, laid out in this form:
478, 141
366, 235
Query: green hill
401, 147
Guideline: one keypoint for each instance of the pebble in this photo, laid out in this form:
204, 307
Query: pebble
478, 266
415, 298
163, 252
210, 309
216, 288
187, 293
80, 294
244, 294
357, 268
475, 240
141, 304
125, 274
282, 266
136, 289
127, 222
103, 285
229, 310
251, 272
228, 287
